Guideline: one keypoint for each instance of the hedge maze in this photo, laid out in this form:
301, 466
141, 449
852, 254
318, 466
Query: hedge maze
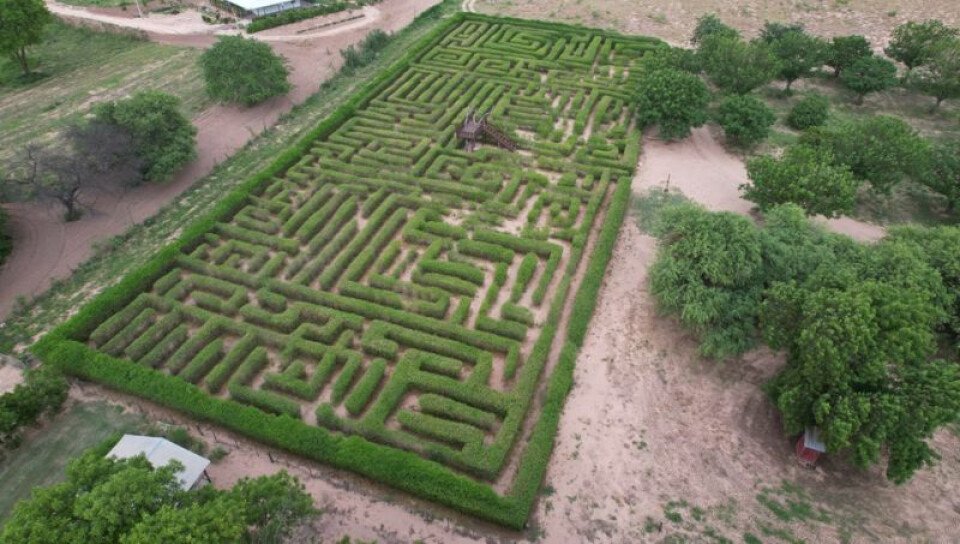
389, 285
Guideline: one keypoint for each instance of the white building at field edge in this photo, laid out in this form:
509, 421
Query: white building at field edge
259, 8
159, 452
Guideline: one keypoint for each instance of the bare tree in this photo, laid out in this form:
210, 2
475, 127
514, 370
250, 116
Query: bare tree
91, 155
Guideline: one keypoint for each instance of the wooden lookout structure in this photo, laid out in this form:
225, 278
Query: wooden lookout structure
478, 128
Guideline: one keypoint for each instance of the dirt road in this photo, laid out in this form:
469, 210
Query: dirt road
46, 249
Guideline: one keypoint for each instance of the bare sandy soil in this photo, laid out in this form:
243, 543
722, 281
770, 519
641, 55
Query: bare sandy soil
10, 375
46, 249
674, 21
649, 427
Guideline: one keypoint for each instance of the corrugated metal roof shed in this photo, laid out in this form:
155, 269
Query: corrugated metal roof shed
160, 451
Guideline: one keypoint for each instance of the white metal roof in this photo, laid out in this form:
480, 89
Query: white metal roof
160, 451
812, 439
250, 5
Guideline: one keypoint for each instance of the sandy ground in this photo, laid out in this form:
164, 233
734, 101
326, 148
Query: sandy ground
647, 422
674, 21
10, 374
46, 249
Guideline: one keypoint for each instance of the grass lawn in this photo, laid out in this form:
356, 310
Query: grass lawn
41, 459
78, 67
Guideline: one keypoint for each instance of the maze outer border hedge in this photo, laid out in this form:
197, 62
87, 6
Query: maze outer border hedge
64, 346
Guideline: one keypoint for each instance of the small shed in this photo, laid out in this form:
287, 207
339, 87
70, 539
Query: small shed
810, 446
259, 8
159, 452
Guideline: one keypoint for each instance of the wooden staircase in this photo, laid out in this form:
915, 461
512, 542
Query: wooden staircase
478, 128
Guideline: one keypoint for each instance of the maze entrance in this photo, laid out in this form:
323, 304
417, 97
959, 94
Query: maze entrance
393, 286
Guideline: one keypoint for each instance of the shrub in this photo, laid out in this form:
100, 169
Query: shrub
812, 111
243, 71
746, 121
355, 57
164, 138
804, 176
675, 101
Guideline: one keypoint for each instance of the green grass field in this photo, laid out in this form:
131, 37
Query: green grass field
41, 459
77, 68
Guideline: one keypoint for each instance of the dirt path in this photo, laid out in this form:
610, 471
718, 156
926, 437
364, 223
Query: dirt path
46, 249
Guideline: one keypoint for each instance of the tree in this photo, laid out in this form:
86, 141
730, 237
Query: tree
943, 172
804, 176
940, 248
21, 25
676, 101
273, 505
92, 155
127, 501
746, 121
913, 43
672, 58
217, 522
844, 51
42, 392
798, 53
709, 272
939, 77
736, 66
812, 111
243, 71
709, 25
881, 149
164, 139
869, 75
859, 357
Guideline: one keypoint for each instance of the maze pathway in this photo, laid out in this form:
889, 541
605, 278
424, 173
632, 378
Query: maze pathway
391, 285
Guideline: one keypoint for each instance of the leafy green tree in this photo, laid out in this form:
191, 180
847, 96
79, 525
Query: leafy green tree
243, 71
746, 121
844, 51
940, 248
794, 247
217, 522
859, 339
21, 25
42, 392
273, 505
797, 52
943, 172
736, 66
939, 77
670, 58
869, 75
913, 43
881, 149
805, 176
812, 111
676, 101
709, 25
164, 138
128, 501
709, 272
